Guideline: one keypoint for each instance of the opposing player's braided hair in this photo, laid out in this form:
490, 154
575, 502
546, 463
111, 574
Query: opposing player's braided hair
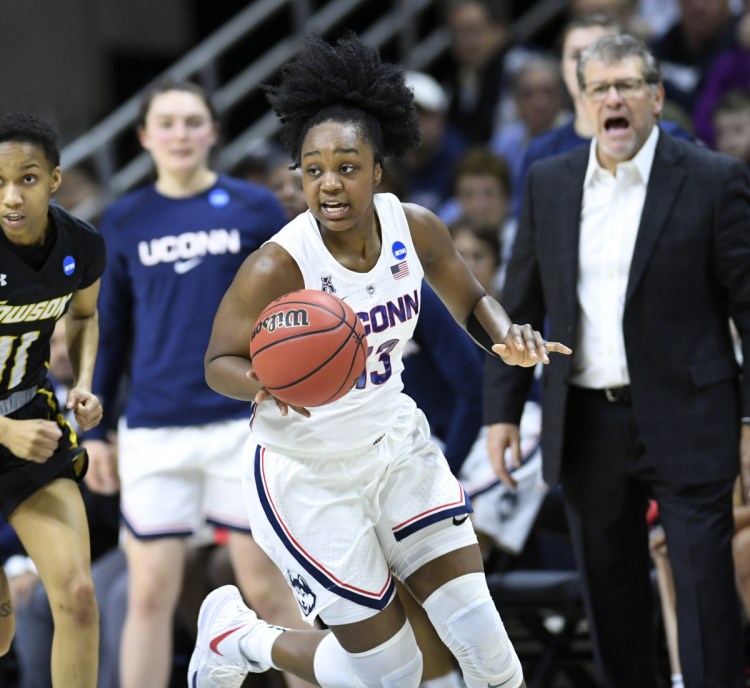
345, 82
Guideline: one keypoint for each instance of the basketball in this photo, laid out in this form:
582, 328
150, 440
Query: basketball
308, 348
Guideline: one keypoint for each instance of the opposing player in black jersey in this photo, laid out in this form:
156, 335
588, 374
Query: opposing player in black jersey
50, 264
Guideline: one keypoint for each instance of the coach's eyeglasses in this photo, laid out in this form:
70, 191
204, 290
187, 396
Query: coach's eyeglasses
626, 88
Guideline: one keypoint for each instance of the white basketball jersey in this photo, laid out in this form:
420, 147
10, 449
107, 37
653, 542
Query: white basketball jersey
387, 299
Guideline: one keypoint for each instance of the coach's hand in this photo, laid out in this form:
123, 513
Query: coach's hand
500, 437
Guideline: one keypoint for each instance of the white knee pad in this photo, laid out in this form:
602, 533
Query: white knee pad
465, 617
397, 663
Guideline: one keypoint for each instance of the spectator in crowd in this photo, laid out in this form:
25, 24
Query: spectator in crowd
503, 517
690, 46
729, 72
173, 249
732, 125
622, 420
427, 170
483, 60
80, 192
540, 98
286, 182
482, 191
630, 14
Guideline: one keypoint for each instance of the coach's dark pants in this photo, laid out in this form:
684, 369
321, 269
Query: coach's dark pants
607, 480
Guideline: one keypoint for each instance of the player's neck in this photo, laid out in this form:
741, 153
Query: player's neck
185, 184
36, 236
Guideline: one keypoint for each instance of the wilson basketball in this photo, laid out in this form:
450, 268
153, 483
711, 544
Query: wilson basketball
308, 348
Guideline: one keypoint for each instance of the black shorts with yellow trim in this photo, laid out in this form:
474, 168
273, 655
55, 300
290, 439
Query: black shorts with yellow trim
20, 478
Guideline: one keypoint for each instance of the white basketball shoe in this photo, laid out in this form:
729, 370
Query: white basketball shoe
218, 661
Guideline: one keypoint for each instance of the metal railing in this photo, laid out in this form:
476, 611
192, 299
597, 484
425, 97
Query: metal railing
397, 21
99, 146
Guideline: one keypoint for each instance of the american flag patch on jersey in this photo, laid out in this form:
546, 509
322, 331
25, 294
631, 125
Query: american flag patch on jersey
400, 270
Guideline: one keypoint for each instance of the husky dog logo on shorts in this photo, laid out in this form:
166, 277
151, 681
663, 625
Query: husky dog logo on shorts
305, 597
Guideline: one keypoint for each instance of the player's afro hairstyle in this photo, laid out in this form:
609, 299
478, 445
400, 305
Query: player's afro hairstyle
345, 82
26, 127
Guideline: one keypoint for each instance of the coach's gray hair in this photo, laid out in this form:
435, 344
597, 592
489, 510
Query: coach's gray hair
614, 48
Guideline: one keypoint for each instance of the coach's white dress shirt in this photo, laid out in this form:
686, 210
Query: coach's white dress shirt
610, 215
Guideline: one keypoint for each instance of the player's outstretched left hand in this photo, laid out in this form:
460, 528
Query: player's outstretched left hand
86, 407
524, 346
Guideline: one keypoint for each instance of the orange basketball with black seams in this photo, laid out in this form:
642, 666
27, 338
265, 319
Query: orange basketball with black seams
308, 348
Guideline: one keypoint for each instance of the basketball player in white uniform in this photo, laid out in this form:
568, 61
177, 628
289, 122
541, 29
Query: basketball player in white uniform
346, 496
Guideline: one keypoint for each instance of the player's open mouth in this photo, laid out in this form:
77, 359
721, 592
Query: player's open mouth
334, 209
13, 218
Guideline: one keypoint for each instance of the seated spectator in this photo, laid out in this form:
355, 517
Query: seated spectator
540, 99
450, 395
730, 71
503, 518
690, 46
630, 14
732, 125
286, 183
483, 60
481, 194
427, 170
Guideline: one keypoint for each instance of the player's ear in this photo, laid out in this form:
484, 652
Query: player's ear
378, 173
55, 179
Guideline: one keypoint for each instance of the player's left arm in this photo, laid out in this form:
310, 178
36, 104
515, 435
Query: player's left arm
477, 312
82, 337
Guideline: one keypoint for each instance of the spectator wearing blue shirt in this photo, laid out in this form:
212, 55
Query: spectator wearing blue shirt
427, 170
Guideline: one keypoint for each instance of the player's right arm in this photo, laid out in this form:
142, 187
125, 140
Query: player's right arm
34, 439
265, 275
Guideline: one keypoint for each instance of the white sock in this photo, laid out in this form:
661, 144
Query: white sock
677, 681
451, 680
259, 650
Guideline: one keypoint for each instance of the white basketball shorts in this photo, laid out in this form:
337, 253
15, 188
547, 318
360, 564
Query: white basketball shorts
341, 528
173, 480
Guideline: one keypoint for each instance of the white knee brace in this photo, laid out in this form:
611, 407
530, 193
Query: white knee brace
397, 663
465, 617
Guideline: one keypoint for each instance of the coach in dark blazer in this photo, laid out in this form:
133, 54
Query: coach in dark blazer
636, 252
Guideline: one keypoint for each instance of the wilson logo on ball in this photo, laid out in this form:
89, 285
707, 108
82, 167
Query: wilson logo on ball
293, 317
308, 348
